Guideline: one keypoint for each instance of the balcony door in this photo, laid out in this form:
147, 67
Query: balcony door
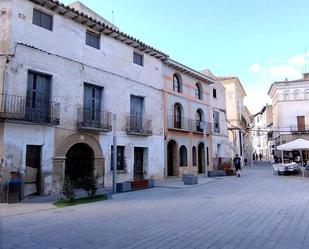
92, 105
301, 123
38, 97
136, 113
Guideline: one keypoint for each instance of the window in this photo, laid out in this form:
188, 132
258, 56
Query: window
214, 93
120, 158
216, 122
42, 19
177, 116
307, 94
286, 95
38, 97
183, 156
198, 91
218, 150
194, 162
92, 105
177, 87
296, 95
199, 120
138, 59
136, 113
93, 39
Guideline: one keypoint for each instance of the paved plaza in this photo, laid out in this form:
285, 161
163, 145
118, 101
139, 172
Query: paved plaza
257, 210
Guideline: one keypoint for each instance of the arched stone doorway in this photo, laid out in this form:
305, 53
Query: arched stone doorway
172, 159
79, 163
66, 148
201, 158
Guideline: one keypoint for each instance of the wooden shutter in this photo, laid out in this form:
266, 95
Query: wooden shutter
301, 123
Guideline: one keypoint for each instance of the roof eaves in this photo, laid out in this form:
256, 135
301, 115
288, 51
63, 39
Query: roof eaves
56, 6
189, 71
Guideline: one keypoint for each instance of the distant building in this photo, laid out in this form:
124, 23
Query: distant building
290, 111
238, 118
261, 131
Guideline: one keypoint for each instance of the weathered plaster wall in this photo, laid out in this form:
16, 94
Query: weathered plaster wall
71, 63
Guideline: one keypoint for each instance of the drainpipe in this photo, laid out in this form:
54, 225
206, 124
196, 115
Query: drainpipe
114, 154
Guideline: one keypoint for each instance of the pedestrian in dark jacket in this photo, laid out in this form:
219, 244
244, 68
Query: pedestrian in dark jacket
237, 164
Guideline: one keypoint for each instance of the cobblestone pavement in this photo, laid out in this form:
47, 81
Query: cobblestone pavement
257, 210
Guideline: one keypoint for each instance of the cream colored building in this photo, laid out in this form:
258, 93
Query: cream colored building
238, 118
290, 111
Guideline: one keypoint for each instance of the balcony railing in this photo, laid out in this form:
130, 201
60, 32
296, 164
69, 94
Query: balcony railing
188, 125
176, 123
95, 120
139, 126
198, 126
18, 108
299, 130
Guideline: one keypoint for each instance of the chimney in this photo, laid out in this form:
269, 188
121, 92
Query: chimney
306, 76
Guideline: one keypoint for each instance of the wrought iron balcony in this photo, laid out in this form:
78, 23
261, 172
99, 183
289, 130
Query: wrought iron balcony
18, 108
299, 130
198, 126
94, 120
139, 126
175, 123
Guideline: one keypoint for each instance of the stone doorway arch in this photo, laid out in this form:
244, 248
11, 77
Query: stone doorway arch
172, 159
61, 151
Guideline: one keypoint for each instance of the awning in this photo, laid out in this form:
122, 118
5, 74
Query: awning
297, 144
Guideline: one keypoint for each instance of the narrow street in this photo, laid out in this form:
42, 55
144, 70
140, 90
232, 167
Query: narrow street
257, 210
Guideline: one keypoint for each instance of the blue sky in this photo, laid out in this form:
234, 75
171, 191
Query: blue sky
259, 40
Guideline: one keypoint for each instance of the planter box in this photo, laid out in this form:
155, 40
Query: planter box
151, 183
183, 176
123, 187
229, 172
215, 173
190, 179
140, 184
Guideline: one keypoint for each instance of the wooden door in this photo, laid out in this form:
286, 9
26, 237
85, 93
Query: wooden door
33, 170
92, 105
38, 97
136, 113
138, 163
301, 123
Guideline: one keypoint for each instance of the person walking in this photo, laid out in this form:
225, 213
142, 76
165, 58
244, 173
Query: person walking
260, 156
237, 164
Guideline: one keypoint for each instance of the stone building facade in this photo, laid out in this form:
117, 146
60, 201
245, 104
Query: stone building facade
290, 112
63, 74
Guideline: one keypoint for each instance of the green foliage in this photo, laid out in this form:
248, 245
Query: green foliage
89, 184
68, 190
65, 203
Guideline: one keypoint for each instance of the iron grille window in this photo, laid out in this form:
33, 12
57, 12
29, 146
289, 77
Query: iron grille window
42, 19
214, 93
93, 39
120, 158
138, 59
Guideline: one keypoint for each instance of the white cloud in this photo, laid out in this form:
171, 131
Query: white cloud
255, 67
281, 72
298, 59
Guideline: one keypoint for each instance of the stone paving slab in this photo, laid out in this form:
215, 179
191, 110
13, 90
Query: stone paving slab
257, 210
